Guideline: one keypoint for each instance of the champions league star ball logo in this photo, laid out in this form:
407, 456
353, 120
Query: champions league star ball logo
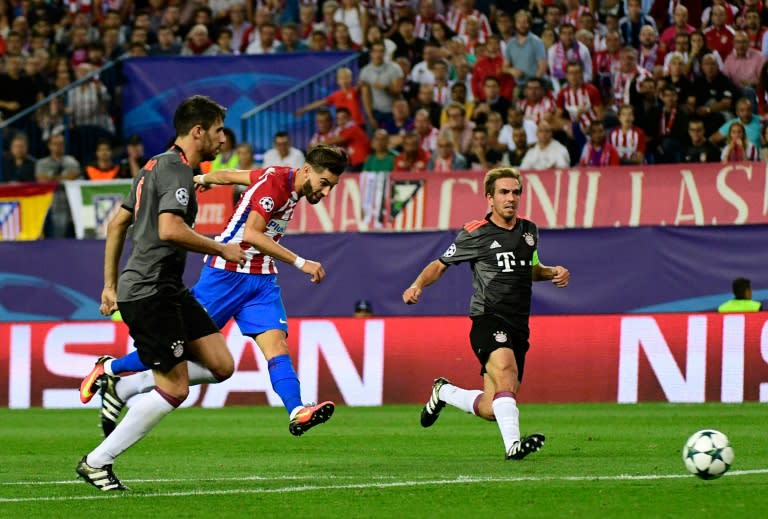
529, 239
178, 348
182, 196
267, 203
451, 251
500, 336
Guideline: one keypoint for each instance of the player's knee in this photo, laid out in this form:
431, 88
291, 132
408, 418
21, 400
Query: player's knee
224, 371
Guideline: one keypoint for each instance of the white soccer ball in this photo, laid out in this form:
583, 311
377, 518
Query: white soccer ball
708, 454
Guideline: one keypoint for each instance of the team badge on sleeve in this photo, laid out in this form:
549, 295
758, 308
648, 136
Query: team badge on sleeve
500, 336
267, 203
529, 239
182, 196
451, 251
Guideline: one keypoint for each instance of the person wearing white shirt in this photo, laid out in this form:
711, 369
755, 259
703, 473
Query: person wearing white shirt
548, 153
283, 154
515, 119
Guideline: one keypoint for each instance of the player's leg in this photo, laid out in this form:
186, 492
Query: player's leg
443, 392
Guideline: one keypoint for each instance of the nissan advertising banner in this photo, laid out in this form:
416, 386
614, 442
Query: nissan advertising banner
369, 362
624, 196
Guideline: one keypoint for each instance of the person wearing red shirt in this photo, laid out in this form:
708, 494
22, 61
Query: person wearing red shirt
350, 136
598, 151
628, 139
719, 36
491, 64
413, 157
347, 96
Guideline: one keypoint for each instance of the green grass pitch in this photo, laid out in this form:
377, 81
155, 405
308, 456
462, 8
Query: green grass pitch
600, 460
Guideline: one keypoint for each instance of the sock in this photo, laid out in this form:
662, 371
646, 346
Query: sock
285, 382
134, 384
139, 420
464, 399
200, 375
108, 367
507, 417
128, 363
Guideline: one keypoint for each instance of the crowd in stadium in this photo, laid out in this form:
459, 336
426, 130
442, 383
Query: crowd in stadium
442, 84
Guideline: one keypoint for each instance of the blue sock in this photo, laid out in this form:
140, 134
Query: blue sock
129, 363
285, 382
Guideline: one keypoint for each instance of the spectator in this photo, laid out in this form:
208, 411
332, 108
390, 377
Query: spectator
167, 44
491, 64
421, 73
347, 96
89, 101
245, 156
650, 55
598, 152
226, 158
567, 51
682, 50
671, 132
399, 123
525, 55
324, 130
291, 41
426, 18
626, 78
340, 39
742, 299
199, 44
537, 105
238, 24
446, 159
380, 83
547, 153
267, 42
628, 139
700, 149
306, 23
103, 166
427, 133
578, 104
742, 65
134, 160
744, 115
680, 24
463, 14
413, 157
442, 35
17, 91
410, 88
350, 136
458, 96
481, 156
754, 27
363, 308
699, 49
738, 148
383, 14
714, 95
425, 100
407, 43
605, 63
281, 153
492, 101
677, 78
373, 35
515, 119
18, 165
441, 86
719, 35
318, 42
730, 12
630, 25
494, 125
224, 42
58, 166
457, 128
354, 17
374, 177
520, 140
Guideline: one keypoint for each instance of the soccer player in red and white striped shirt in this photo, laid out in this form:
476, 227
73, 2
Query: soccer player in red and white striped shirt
628, 139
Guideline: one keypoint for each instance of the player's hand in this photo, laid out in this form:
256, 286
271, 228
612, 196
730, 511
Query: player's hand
200, 183
561, 277
232, 252
411, 295
108, 301
315, 270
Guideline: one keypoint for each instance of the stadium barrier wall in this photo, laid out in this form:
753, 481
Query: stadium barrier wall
369, 362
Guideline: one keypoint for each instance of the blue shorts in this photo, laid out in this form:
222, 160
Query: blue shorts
253, 300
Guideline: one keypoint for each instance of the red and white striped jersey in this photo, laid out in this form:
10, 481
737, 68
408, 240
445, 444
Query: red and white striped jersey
457, 21
382, 12
583, 99
538, 111
627, 143
270, 194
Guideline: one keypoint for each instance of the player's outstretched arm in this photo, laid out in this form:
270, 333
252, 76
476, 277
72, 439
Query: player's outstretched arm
224, 177
113, 249
558, 275
173, 228
429, 275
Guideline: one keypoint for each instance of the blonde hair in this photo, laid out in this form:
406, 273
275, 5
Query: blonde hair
504, 172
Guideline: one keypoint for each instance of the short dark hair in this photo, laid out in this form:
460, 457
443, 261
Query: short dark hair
281, 134
740, 287
196, 110
332, 158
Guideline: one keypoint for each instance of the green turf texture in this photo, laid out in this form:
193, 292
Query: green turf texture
378, 462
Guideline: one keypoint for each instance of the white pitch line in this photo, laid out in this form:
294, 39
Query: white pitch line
76, 481
460, 480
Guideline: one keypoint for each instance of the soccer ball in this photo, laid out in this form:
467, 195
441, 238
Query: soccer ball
708, 454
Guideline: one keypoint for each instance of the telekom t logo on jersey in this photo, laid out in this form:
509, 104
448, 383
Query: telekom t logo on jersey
506, 260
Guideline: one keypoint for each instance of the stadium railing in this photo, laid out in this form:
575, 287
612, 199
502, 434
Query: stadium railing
259, 125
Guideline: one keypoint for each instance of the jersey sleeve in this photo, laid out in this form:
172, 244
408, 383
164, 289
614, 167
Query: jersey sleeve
535, 231
130, 203
269, 196
465, 247
174, 187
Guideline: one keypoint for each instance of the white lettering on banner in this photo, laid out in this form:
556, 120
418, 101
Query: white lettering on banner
352, 206
446, 199
20, 366
59, 361
731, 196
367, 389
548, 204
688, 185
590, 201
211, 213
636, 203
242, 381
732, 379
764, 354
644, 332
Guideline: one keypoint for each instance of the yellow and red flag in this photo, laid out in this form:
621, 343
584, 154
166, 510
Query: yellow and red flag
23, 208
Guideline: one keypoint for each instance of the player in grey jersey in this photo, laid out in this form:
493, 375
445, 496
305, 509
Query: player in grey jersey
502, 252
167, 323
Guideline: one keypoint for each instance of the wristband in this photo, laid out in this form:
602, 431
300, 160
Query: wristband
299, 262
201, 179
